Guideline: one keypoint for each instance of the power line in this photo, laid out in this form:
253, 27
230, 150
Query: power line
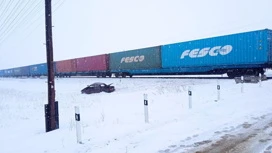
11, 25
24, 18
35, 21
39, 17
9, 17
35, 10
63, 1
5, 10
17, 22
56, 2
1, 4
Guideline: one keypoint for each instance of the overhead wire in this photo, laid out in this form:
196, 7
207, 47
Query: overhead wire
18, 19
14, 22
36, 10
54, 9
5, 11
9, 16
35, 21
26, 17
2, 3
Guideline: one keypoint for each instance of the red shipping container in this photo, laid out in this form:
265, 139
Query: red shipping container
66, 66
93, 63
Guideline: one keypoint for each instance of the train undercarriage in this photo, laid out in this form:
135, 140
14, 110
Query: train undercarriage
245, 72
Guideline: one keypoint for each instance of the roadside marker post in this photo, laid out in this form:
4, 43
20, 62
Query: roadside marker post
190, 96
78, 126
260, 80
218, 91
146, 108
242, 84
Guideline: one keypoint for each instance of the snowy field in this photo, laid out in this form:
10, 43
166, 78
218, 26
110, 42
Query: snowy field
114, 122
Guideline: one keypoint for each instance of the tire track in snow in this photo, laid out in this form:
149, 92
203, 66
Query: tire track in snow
245, 138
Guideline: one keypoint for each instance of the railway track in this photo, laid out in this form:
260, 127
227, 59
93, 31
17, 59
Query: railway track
166, 77
155, 77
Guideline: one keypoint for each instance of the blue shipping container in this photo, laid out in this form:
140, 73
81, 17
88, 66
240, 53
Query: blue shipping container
17, 71
38, 69
8, 72
1, 73
25, 71
269, 38
243, 49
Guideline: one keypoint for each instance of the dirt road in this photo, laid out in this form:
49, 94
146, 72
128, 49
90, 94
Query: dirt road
253, 137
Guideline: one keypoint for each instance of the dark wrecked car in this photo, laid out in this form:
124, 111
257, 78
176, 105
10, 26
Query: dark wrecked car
97, 88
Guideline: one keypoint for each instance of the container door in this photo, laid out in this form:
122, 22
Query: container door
269, 41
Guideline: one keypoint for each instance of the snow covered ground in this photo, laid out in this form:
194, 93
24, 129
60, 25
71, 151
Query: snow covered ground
114, 122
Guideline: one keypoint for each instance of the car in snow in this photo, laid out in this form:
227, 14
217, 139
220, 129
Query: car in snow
97, 88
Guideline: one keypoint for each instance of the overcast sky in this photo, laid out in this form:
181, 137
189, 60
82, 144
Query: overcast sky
92, 27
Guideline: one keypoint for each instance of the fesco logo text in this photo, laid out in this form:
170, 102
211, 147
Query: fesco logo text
132, 59
214, 51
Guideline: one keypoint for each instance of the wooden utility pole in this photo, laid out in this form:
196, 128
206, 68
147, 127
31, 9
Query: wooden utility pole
51, 110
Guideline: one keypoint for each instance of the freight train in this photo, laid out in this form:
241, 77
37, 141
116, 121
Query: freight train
235, 54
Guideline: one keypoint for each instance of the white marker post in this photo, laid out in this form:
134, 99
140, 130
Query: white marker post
146, 108
78, 127
242, 84
260, 80
218, 91
190, 97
